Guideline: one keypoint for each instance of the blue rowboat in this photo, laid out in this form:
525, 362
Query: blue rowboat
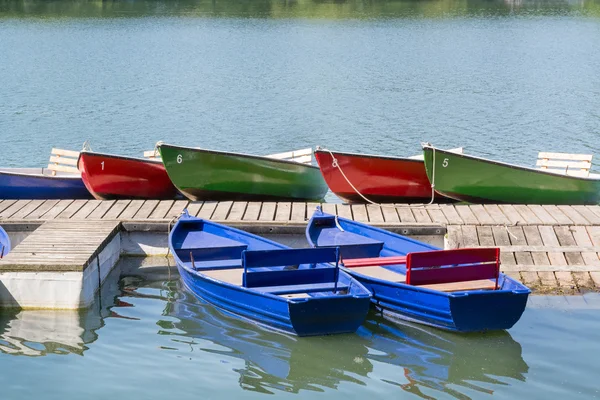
39, 183
459, 290
4, 243
297, 291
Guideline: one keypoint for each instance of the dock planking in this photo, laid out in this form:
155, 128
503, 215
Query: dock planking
50, 247
532, 238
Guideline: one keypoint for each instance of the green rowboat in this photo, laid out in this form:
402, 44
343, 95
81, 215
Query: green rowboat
216, 175
478, 180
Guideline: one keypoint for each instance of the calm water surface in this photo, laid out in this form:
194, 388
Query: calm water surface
146, 337
502, 78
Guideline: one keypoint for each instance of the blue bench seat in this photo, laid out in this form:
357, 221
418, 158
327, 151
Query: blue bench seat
308, 288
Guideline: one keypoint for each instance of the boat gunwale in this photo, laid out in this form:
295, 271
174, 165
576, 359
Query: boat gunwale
513, 166
63, 175
236, 154
119, 157
385, 157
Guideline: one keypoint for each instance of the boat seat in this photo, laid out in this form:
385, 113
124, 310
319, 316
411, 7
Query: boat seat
374, 261
382, 273
482, 284
212, 265
308, 288
351, 245
205, 246
63, 161
565, 163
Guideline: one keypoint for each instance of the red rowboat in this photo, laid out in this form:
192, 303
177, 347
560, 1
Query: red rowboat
108, 176
381, 179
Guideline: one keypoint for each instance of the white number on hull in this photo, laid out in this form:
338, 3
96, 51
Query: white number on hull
445, 163
179, 159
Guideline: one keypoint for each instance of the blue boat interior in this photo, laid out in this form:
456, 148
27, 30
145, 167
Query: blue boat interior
246, 260
382, 256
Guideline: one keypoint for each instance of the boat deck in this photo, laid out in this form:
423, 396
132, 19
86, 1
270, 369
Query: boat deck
546, 247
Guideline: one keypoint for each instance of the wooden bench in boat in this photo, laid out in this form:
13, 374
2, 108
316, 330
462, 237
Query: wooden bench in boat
152, 154
454, 270
565, 163
442, 270
63, 161
302, 156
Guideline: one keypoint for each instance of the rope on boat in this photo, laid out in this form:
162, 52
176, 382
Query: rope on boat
86, 146
336, 164
432, 178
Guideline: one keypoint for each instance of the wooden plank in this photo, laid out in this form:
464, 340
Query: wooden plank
557, 214
550, 239
421, 215
145, 211
485, 235
454, 239
565, 156
469, 234
283, 212
207, 210
466, 214
87, 209
194, 207
528, 216
594, 209
298, 212
14, 208
41, 210
500, 236
330, 208
252, 211
374, 213
267, 212
583, 280
451, 214
481, 214
177, 209
161, 210
389, 214
405, 214
102, 209
4, 204
63, 160
542, 214
116, 209
523, 258
532, 235
573, 215
436, 214
516, 235
65, 153
311, 207
588, 214
582, 238
131, 209
496, 213
62, 168
547, 278
563, 165
236, 213
512, 214
71, 209
507, 258
359, 211
28, 209
222, 210
57, 209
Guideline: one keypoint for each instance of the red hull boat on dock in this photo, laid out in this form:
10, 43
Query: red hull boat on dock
109, 177
381, 179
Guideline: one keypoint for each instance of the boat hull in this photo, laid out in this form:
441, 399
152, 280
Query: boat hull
477, 180
379, 179
211, 175
37, 186
4, 243
464, 311
110, 177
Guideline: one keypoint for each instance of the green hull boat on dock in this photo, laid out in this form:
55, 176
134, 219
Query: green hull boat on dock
215, 175
478, 180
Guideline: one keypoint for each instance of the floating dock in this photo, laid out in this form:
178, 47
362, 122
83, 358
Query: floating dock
549, 248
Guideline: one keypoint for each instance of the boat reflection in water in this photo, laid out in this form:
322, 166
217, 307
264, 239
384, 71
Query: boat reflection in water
420, 360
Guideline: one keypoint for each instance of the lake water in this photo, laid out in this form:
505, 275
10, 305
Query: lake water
146, 337
502, 78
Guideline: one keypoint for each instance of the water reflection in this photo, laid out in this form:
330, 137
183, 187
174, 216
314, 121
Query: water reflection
329, 9
415, 359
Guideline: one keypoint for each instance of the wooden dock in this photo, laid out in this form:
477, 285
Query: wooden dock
546, 247
59, 265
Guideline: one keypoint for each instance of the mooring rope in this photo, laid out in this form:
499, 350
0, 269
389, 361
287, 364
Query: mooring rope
432, 178
336, 164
